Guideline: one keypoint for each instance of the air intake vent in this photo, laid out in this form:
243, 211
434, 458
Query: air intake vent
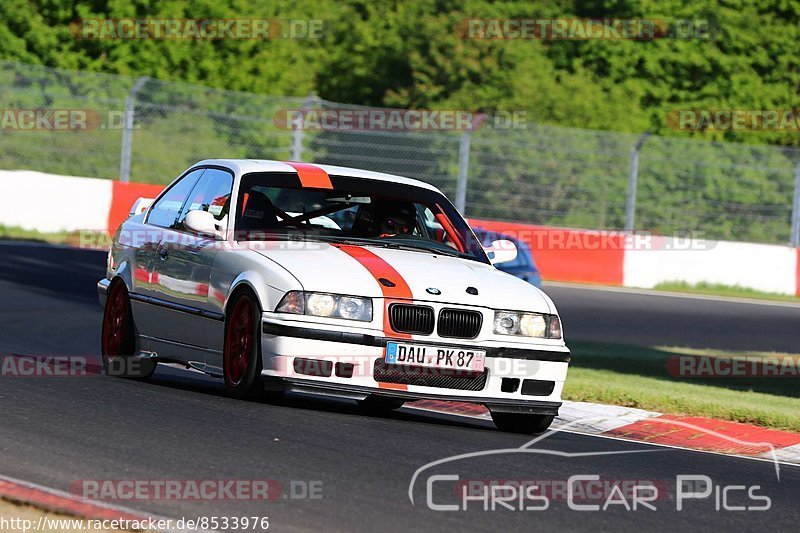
429, 377
459, 323
406, 318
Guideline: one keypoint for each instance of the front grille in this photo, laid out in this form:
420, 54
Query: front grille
406, 318
429, 377
459, 323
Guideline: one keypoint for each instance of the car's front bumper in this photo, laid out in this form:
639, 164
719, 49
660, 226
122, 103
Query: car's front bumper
504, 387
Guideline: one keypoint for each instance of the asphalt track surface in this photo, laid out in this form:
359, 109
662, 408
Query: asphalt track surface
181, 426
648, 318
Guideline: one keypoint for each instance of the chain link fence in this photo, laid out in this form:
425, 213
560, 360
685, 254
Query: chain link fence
149, 130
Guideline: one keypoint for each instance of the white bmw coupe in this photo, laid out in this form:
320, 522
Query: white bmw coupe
280, 276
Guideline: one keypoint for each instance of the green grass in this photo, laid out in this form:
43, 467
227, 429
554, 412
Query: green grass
19, 234
724, 290
634, 376
81, 239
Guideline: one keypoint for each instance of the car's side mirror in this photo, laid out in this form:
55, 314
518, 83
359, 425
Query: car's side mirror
141, 205
502, 251
202, 222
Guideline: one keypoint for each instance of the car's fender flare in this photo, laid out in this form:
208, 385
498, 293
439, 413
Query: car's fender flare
123, 273
253, 281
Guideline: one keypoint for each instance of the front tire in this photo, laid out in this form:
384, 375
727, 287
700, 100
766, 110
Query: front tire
118, 338
242, 350
522, 423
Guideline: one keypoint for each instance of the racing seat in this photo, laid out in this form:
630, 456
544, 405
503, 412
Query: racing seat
258, 213
364, 224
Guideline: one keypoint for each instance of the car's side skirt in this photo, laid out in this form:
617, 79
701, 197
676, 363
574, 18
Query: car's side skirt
211, 315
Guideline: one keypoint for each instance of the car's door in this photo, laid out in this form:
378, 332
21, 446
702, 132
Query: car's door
183, 271
147, 239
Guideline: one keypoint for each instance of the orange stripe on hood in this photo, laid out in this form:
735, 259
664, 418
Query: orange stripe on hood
379, 268
312, 176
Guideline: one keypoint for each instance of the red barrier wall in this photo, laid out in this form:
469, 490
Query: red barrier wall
797, 277
123, 195
583, 256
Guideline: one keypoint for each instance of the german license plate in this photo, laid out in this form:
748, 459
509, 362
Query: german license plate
401, 353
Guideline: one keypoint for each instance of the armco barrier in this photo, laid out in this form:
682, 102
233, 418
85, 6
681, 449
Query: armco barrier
50, 203
763, 267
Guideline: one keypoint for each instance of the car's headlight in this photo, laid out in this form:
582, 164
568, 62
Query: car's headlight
327, 305
527, 324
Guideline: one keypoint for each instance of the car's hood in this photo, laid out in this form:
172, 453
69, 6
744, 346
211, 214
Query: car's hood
344, 270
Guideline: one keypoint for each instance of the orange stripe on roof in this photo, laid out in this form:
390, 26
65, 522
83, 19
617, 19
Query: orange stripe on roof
312, 176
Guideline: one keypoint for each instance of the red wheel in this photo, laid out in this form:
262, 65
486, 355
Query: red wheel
239, 344
115, 322
242, 355
118, 339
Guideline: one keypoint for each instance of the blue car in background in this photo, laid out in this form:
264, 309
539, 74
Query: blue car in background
523, 266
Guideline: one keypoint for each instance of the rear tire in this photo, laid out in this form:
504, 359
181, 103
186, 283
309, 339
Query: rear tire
522, 423
118, 338
378, 405
242, 349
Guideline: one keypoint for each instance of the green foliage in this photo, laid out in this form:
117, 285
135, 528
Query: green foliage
410, 54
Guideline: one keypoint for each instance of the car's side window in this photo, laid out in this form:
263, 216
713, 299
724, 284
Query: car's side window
212, 193
165, 211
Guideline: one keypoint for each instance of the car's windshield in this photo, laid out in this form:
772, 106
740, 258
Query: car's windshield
356, 210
